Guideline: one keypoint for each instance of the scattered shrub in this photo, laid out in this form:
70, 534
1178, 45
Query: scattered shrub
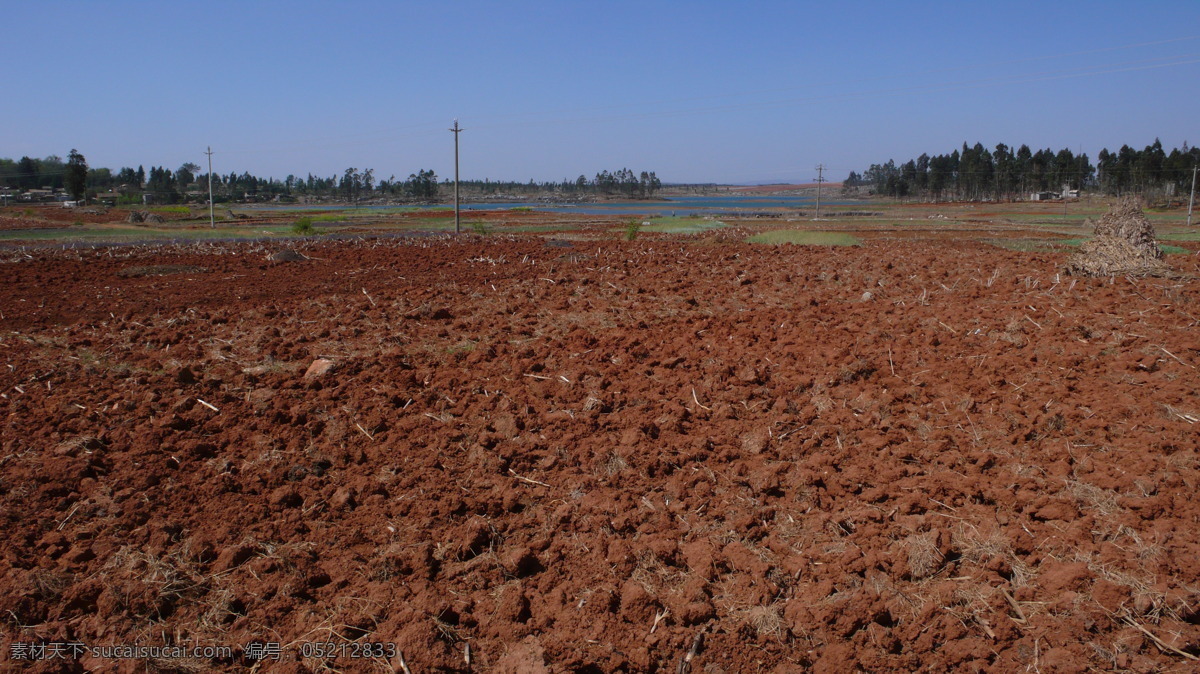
303, 227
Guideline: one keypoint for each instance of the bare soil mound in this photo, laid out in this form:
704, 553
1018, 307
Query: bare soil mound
287, 255
1124, 245
507, 459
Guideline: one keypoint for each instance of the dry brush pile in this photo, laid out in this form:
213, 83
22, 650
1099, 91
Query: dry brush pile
1124, 245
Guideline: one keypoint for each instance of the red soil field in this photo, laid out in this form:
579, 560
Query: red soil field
685, 454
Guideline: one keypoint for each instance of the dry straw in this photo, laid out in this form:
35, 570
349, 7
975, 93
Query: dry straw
1124, 245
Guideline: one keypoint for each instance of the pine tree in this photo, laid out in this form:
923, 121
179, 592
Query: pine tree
76, 176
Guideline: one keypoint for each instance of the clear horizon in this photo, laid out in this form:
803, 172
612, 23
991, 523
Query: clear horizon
715, 93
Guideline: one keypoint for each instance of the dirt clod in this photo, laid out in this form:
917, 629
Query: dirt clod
319, 368
287, 255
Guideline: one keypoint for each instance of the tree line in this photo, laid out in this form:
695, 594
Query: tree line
976, 173
623, 182
188, 183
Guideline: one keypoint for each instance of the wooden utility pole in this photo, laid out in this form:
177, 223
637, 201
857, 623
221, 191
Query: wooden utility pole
820, 179
212, 221
1192, 199
456, 131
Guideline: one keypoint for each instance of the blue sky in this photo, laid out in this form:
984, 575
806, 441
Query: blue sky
696, 91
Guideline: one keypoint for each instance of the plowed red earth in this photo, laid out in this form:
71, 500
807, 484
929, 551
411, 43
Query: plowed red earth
579, 458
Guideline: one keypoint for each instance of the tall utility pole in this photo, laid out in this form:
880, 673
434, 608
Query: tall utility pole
1192, 199
212, 221
820, 179
456, 131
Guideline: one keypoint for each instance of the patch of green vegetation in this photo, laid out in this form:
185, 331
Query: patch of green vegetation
253, 232
205, 232
805, 238
72, 234
1034, 245
174, 210
1048, 219
93, 233
331, 214
395, 210
479, 228
1052, 245
1180, 236
534, 229
681, 225
303, 227
631, 230
315, 215
1165, 215
521, 209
